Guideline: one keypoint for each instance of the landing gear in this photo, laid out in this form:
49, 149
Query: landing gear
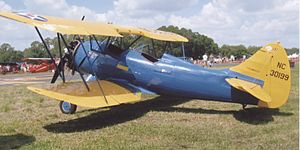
67, 108
244, 106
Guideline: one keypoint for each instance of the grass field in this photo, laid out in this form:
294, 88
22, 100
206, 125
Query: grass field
30, 121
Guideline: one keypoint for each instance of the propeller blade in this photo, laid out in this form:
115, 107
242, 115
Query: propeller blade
73, 70
55, 76
59, 69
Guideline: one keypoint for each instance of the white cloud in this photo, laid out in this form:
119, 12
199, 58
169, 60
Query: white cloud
246, 22
4, 6
226, 21
146, 13
12, 32
21, 35
59, 8
135, 7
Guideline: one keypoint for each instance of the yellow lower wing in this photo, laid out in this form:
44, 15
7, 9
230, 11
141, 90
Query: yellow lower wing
76, 93
251, 88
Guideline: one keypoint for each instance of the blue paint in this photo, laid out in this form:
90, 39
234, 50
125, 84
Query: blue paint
168, 75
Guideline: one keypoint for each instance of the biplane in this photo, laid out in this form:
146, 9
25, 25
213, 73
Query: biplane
36, 65
119, 75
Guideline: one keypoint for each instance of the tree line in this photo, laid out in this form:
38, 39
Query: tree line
196, 47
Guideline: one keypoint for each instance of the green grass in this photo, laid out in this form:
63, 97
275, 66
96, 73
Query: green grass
30, 121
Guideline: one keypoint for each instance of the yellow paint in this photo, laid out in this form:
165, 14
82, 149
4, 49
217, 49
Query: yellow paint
271, 65
76, 93
66, 26
122, 67
70, 26
252, 88
154, 34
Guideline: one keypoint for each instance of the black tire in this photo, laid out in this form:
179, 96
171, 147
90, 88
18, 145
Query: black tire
67, 108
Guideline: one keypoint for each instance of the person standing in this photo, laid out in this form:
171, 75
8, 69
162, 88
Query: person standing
232, 58
244, 57
210, 60
204, 58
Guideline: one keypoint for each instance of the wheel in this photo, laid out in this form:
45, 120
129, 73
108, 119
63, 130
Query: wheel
67, 108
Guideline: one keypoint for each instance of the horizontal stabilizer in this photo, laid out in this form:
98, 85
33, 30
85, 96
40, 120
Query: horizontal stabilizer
251, 88
76, 93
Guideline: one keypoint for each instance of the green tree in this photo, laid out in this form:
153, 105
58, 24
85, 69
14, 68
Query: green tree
36, 50
9, 54
198, 44
253, 49
238, 50
291, 51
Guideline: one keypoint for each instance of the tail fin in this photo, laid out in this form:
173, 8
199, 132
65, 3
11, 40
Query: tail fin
270, 64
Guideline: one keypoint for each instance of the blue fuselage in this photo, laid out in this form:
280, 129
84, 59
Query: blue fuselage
168, 75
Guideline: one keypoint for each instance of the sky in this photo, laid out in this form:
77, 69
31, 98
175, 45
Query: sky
233, 22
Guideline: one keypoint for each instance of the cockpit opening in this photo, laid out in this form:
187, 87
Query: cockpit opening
150, 58
114, 50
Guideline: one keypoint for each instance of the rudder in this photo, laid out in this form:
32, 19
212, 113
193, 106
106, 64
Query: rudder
269, 64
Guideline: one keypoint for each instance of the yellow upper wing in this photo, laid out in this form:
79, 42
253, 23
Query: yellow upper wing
69, 26
61, 25
154, 34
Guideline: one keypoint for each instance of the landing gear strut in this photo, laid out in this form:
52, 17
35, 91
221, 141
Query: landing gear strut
67, 108
244, 106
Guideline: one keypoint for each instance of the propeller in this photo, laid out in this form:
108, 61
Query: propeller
69, 59
59, 69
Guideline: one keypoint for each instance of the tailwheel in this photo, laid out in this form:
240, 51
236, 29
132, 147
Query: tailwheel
67, 108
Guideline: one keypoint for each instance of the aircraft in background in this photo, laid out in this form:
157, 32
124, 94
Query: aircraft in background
35, 65
121, 74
